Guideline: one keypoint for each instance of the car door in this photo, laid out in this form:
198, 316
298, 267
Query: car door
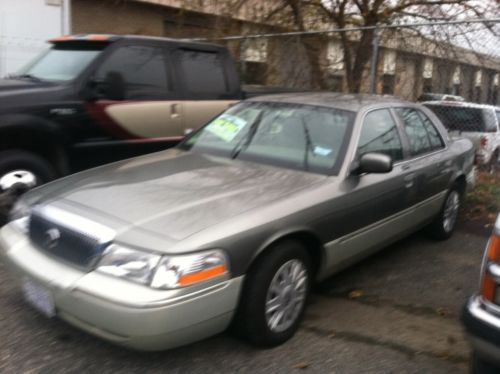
149, 110
205, 85
374, 208
427, 161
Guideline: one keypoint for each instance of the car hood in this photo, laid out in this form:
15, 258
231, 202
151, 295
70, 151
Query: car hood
175, 193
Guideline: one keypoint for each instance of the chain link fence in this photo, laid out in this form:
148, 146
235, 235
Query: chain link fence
454, 67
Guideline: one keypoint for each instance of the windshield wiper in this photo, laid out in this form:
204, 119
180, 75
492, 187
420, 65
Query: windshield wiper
247, 139
309, 143
31, 77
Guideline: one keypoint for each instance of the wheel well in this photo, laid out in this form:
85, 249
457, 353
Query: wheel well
461, 184
38, 142
310, 242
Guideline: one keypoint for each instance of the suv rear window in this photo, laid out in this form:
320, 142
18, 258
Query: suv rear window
464, 119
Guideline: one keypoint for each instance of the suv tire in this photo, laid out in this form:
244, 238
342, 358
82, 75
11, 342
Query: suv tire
32, 170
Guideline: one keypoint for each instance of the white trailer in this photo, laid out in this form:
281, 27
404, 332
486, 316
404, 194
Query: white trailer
25, 27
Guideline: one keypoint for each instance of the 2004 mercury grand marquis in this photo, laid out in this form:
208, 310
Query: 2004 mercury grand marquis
237, 222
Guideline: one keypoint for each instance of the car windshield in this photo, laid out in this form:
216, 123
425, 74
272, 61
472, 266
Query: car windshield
295, 136
60, 63
466, 119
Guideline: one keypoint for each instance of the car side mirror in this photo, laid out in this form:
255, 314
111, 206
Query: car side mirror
373, 163
114, 86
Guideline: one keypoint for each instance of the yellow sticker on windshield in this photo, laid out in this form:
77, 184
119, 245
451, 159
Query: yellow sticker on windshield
226, 127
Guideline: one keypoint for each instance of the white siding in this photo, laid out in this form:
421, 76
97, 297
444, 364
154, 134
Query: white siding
25, 26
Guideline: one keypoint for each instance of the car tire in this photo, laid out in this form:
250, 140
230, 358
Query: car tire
270, 289
32, 170
444, 224
494, 162
479, 366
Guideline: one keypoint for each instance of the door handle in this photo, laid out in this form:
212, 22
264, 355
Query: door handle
174, 110
405, 166
409, 179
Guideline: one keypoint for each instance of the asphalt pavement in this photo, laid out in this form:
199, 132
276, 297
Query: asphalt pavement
396, 312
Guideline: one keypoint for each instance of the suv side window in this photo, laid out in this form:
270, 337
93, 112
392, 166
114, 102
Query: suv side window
434, 136
143, 68
415, 130
380, 134
203, 73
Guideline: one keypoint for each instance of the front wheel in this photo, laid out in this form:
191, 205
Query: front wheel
22, 170
274, 296
443, 226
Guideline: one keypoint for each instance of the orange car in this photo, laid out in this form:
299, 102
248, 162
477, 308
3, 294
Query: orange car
481, 315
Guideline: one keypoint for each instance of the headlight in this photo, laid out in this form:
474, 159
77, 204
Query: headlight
185, 270
164, 272
20, 216
128, 263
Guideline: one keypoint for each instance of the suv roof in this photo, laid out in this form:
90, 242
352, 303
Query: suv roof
109, 38
461, 104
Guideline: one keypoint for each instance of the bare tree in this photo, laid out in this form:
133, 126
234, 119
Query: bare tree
303, 15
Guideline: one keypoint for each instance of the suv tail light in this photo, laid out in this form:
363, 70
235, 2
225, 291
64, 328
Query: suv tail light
490, 282
483, 141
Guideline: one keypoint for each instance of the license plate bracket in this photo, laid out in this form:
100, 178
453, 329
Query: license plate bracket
39, 297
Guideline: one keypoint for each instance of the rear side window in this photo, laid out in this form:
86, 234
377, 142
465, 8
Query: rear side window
203, 72
380, 134
463, 118
143, 69
434, 136
415, 130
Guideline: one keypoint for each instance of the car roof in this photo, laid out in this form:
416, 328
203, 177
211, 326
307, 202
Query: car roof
109, 38
460, 104
351, 102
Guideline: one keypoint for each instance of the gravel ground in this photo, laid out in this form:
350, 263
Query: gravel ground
396, 312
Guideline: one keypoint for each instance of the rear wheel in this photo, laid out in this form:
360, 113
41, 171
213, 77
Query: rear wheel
22, 170
494, 163
444, 224
274, 296
479, 366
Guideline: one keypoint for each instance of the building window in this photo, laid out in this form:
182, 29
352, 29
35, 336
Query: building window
388, 81
427, 86
337, 83
477, 94
253, 64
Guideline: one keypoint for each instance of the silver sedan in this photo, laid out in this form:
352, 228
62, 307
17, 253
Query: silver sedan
235, 224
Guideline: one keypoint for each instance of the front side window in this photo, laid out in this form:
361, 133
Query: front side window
380, 134
143, 69
295, 136
415, 130
61, 63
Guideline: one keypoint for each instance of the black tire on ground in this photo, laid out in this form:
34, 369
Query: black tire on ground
479, 366
438, 229
494, 163
23, 160
250, 321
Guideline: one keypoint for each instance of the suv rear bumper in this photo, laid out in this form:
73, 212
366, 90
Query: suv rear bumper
483, 328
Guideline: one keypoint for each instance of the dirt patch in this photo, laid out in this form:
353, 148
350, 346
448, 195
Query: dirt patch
482, 204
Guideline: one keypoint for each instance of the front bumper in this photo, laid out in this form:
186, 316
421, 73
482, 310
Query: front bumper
483, 328
120, 311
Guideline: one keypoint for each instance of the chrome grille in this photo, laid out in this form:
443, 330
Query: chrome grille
68, 236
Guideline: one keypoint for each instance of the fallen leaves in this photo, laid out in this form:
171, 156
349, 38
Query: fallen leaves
355, 294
